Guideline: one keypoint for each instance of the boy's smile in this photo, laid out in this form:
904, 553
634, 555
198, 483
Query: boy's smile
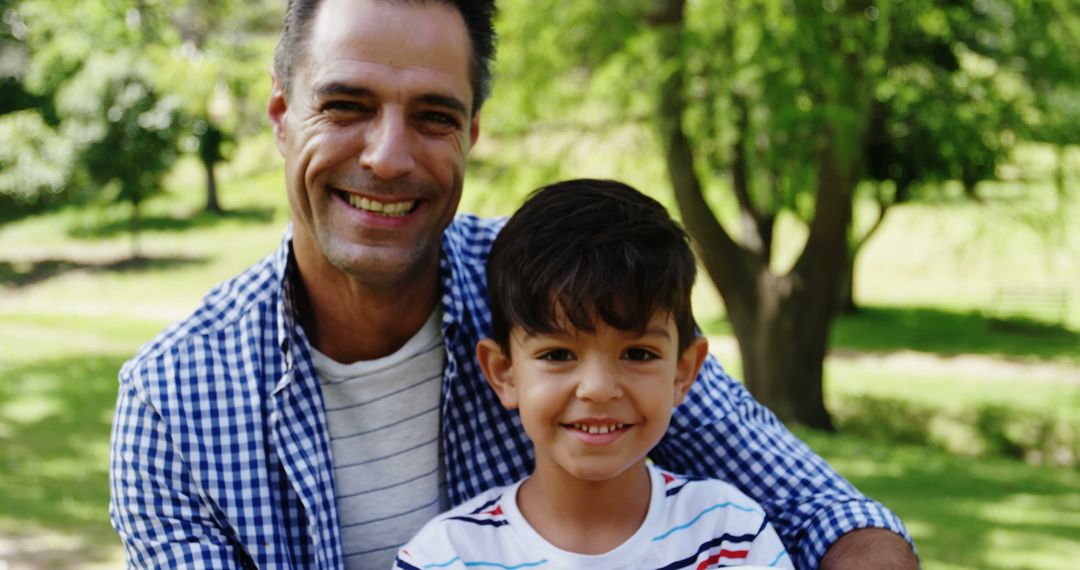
594, 403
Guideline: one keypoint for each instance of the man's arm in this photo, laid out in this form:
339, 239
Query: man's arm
154, 506
720, 431
870, 548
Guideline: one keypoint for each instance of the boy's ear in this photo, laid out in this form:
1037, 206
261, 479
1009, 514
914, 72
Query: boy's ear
688, 367
497, 367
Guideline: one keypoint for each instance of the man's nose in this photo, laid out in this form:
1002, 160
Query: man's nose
599, 382
387, 153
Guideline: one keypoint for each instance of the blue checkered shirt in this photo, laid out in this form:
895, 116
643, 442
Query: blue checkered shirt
221, 455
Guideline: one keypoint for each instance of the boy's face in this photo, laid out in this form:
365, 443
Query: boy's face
594, 404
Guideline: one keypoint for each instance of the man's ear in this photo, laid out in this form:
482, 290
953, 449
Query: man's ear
497, 369
276, 108
690, 362
474, 130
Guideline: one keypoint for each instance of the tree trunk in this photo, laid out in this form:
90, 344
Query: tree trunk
212, 204
847, 304
781, 322
136, 226
782, 344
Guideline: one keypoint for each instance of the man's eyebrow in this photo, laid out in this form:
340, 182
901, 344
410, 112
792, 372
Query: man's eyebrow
446, 101
338, 88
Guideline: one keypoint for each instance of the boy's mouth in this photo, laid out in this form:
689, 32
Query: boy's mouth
596, 428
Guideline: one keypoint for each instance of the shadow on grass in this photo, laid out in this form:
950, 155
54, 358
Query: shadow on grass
979, 430
888, 329
201, 219
25, 274
964, 512
54, 431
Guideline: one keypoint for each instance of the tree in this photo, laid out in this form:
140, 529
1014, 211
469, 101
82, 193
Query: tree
206, 56
35, 165
127, 134
223, 51
766, 108
963, 84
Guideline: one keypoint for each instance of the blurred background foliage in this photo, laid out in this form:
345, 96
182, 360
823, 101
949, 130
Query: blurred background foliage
884, 194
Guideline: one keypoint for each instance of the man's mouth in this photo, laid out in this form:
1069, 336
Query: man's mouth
388, 209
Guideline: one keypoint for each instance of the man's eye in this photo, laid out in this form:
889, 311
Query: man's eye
440, 120
639, 354
557, 355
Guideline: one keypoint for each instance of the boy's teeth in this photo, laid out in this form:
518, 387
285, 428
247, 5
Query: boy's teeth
597, 429
396, 209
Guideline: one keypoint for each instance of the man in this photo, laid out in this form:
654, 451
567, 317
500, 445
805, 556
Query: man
315, 410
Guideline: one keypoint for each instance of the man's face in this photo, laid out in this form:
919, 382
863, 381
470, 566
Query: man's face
375, 133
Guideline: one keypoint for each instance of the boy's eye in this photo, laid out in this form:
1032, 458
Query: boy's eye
557, 355
639, 354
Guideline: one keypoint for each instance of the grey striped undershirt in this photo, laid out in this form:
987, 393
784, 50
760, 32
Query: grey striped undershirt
384, 436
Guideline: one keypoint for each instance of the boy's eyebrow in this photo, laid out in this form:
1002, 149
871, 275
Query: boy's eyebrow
335, 88
657, 331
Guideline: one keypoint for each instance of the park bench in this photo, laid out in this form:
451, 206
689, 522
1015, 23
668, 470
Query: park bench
1031, 302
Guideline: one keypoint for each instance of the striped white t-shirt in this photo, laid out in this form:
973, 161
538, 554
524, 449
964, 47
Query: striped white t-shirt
384, 424
691, 523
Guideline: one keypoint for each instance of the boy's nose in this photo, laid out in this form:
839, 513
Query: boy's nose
599, 382
387, 153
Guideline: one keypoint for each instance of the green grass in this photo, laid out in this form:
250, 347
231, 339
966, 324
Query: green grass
950, 333
987, 514
57, 391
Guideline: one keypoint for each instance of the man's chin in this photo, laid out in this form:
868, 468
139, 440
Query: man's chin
380, 265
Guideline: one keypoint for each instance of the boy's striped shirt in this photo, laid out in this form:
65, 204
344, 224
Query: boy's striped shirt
694, 524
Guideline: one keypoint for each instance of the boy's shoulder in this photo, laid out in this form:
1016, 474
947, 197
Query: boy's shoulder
689, 488
479, 525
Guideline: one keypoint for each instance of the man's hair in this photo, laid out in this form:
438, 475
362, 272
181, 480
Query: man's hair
582, 250
478, 16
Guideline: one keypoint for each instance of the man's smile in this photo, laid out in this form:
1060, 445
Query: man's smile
392, 209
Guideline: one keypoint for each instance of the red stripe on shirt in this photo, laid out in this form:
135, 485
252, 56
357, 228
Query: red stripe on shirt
710, 561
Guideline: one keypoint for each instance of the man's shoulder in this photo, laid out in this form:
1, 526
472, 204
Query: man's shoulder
226, 308
469, 236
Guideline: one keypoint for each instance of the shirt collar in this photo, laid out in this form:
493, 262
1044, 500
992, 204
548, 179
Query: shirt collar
284, 267
285, 272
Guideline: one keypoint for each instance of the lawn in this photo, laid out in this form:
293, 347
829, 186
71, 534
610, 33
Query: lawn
939, 403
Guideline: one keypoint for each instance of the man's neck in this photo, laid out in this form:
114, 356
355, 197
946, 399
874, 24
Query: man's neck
348, 320
587, 517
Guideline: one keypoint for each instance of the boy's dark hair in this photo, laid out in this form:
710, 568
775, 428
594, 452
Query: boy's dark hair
592, 249
478, 16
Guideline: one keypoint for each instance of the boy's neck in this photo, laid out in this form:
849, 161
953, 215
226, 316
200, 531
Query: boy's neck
586, 517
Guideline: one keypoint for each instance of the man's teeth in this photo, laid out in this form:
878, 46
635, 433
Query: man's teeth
396, 209
593, 428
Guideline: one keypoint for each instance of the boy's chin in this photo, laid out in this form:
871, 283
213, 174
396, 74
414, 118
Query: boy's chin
594, 473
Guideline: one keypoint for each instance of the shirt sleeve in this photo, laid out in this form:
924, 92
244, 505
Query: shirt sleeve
154, 505
767, 550
430, 547
720, 431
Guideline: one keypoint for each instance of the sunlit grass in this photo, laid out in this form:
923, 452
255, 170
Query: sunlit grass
986, 514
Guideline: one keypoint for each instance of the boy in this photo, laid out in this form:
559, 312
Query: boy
594, 343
